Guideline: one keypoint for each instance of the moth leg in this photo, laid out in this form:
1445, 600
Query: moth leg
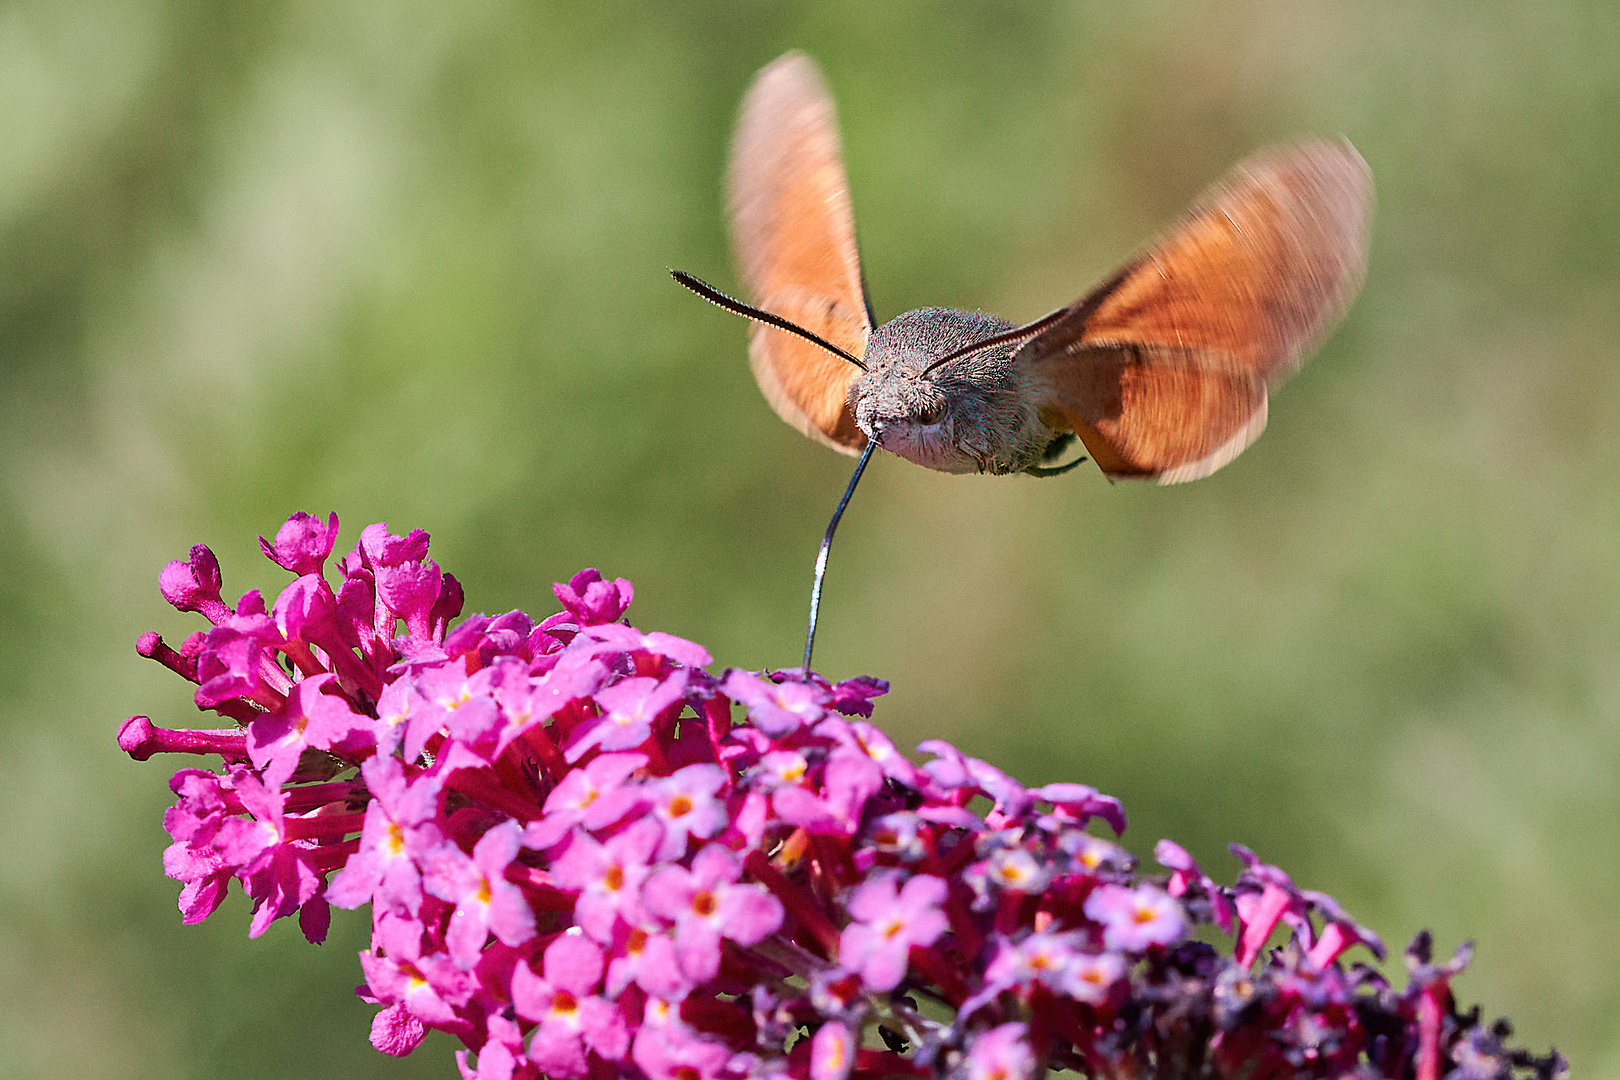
1056, 470
1054, 450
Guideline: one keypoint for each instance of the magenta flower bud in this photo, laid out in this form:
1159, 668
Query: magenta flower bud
594, 600
410, 591
302, 543
194, 585
378, 547
396, 1032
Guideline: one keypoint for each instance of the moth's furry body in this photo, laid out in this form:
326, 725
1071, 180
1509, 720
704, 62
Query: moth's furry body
978, 413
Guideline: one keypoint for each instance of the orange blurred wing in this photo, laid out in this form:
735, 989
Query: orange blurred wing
794, 237
1164, 369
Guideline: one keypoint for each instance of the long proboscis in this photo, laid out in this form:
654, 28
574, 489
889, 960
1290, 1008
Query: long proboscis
826, 548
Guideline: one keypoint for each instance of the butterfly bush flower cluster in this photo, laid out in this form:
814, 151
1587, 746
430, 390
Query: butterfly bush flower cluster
586, 856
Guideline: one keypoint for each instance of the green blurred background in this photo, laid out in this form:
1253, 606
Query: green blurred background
407, 262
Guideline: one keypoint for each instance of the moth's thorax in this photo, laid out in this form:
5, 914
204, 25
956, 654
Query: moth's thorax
974, 414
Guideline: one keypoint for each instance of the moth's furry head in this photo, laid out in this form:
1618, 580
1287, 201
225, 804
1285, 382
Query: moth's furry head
974, 414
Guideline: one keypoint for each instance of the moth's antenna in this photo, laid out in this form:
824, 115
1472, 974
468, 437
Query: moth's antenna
826, 546
1076, 313
721, 300
1018, 334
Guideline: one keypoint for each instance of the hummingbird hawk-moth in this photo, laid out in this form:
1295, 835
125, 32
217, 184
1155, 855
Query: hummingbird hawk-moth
1162, 371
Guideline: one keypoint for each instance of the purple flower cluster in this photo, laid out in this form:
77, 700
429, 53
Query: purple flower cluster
586, 857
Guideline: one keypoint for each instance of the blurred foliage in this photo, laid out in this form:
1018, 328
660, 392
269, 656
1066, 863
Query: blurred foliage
407, 262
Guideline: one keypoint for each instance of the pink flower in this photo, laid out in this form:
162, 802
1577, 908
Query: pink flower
204, 805
315, 715
277, 870
778, 708
706, 903
832, 1052
400, 971
1089, 976
890, 919
485, 902
595, 796
1133, 919
398, 830
572, 1019
1002, 1053
629, 709
849, 780
607, 876
687, 804
676, 1052
646, 958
